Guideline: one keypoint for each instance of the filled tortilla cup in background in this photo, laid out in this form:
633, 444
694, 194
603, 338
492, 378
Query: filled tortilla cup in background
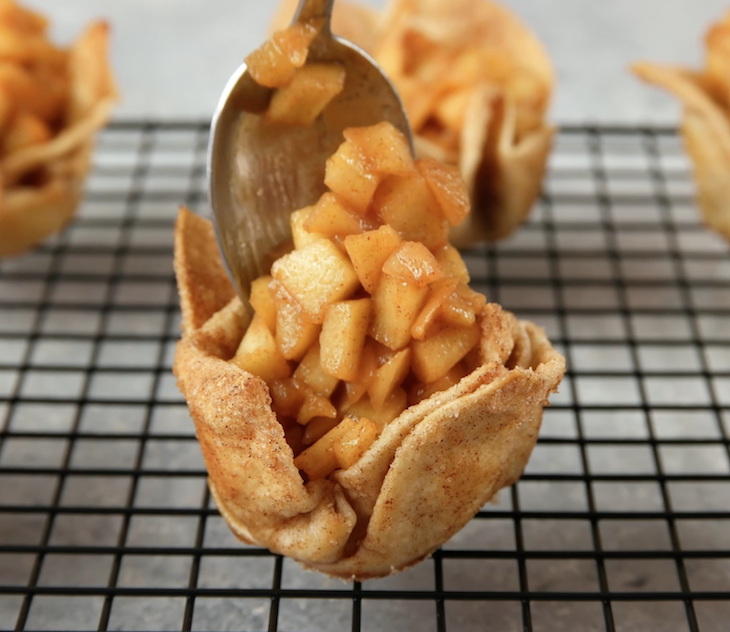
421, 480
41, 184
705, 125
476, 84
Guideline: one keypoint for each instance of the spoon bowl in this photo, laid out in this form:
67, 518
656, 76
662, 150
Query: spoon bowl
259, 172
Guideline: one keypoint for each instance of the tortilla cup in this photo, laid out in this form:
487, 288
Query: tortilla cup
706, 131
31, 212
423, 478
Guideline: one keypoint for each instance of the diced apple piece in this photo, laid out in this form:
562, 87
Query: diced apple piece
308, 93
347, 175
408, 205
315, 406
317, 428
295, 332
389, 377
421, 391
361, 408
262, 301
393, 406
448, 187
457, 312
369, 251
311, 372
477, 299
451, 263
463, 306
427, 321
413, 263
350, 448
274, 63
300, 235
433, 357
397, 306
369, 361
319, 460
287, 396
329, 217
269, 66
384, 146
258, 353
294, 40
316, 276
346, 323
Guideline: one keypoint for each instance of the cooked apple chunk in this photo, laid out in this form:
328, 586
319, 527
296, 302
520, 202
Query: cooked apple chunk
353, 443
317, 428
348, 176
407, 204
258, 353
384, 146
319, 459
331, 218
432, 358
427, 321
457, 311
316, 276
372, 356
274, 63
397, 305
315, 405
301, 236
344, 329
308, 93
389, 377
393, 406
451, 263
295, 332
312, 372
421, 391
448, 187
262, 301
287, 396
413, 263
369, 251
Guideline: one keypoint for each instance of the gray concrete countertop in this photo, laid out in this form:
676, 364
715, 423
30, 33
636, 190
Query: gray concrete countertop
174, 56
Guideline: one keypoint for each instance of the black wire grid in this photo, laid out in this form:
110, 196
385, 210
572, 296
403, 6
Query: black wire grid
621, 521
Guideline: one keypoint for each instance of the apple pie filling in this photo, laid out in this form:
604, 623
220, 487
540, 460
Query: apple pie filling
371, 311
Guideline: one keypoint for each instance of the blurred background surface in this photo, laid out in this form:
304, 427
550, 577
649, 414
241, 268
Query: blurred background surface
173, 57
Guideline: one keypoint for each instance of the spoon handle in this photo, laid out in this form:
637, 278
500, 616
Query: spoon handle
309, 9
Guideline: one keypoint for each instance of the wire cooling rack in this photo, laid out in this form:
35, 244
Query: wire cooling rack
621, 521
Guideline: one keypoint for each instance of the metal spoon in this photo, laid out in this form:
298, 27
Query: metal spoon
259, 172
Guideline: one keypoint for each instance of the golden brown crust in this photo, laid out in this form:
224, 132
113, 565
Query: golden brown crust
198, 266
503, 172
29, 214
421, 480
